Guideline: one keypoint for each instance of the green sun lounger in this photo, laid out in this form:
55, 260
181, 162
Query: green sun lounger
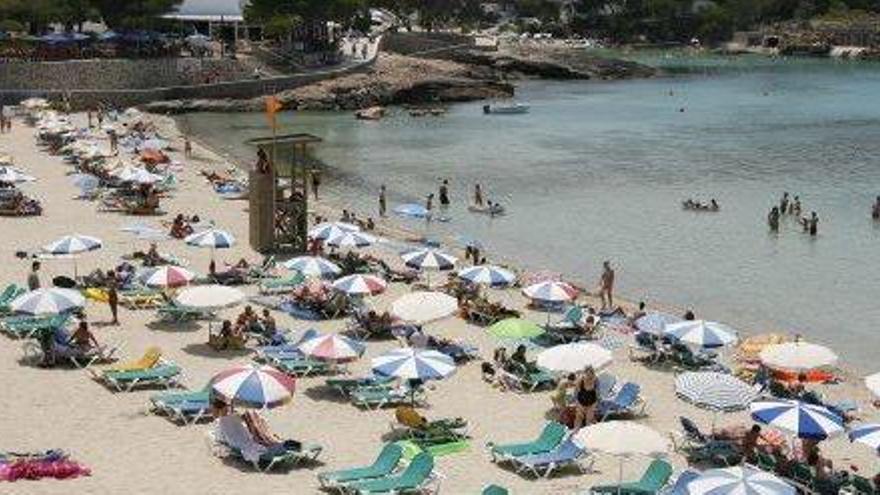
346, 385
231, 433
9, 294
270, 286
383, 466
184, 407
380, 396
494, 490
27, 326
655, 478
303, 366
180, 314
163, 374
417, 477
551, 436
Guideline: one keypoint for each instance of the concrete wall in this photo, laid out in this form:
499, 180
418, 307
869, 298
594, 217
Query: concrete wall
410, 43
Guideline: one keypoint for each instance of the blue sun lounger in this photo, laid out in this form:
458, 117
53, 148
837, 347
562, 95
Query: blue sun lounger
566, 454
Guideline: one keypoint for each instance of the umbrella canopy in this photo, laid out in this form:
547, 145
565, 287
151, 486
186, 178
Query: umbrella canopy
254, 386
86, 182
351, 240
798, 418
551, 291
212, 238
428, 259
867, 434
701, 333
9, 175
329, 230
47, 301
138, 175
413, 210
168, 276
655, 322
715, 391
313, 266
414, 364
359, 285
493, 276
873, 383
572, 358
739, 480
209, 297
622, 438
515, 328
798, 356
73, 244
422, 307
333, 347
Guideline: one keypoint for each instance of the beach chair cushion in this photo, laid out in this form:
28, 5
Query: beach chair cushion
150, 358
416, 474
626, 399
566, 453
654, 479
550, 437
383, 466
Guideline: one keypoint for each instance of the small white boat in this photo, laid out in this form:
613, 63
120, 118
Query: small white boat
508, 109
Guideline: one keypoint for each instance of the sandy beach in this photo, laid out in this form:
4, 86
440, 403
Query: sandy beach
132, 451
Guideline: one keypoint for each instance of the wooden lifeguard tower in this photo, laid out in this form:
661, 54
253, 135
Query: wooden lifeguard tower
279, 193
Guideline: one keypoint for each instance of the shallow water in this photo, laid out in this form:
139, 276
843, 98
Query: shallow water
597, 171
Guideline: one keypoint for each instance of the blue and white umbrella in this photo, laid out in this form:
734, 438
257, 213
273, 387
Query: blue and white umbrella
701, 333
73, 244
47, 301
867, 434
655, 322
313, 266
351, 240
9, 175
211, 238
255, 386
329, 230
428, 259
738, 480
414, 364
413, 210
717, 392
798, 418
493, 276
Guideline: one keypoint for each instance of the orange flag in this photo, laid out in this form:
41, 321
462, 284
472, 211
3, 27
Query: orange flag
273, 106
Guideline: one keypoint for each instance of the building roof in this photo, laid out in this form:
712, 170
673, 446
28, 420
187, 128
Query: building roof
209, 10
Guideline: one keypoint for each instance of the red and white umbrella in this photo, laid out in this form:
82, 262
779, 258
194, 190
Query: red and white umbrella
551, 291
254, 386
168, 276
360, 285
333, 347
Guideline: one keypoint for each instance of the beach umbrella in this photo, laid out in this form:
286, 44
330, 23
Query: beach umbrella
868, 434
73, 244
86, 182
254, 386
574, 357
328, 230
351, 240
716, 392
360, 285
428, 259
421, 307
313, 266
552, 291
873, 383
333, 347
797, 356
655, 322
622, 439
155, 144
9, 175
493, 276
515, 328
141, 176
168, 276
738, 480
47, 301
209, 297
701, 333
412, 210
798, 418
211, 238
414, 364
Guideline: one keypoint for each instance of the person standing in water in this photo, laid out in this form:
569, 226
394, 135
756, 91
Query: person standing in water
814, 224
783, 203
606, 285
382, 201
796, 206
429, 203
875, 210
773, 219
444, 193
478, 196
316, 182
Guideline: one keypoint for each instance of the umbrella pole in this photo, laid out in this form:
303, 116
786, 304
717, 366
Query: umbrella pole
620, 477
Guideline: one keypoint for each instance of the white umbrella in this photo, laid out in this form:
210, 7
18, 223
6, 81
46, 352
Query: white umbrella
701, 333
622, 439
313, 266
714, 391
211, 238
210, 297
422, 307
9, 175
141, 176
47, 301
329, 230
873, 383
738, 480
73, 244
351, 240
574, 357
797, 356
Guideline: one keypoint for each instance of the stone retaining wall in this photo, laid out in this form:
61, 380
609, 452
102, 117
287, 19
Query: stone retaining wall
409, 43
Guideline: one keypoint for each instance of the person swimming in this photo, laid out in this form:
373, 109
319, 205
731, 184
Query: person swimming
875, 210
773, 219
444, 193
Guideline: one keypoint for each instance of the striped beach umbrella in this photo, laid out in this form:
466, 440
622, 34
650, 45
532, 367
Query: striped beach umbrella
360, 285
552, 291
254, 386
313, 266
515, 328
328, 230
428, 259
574, 357
867, 434
798, 418
738, 480
137, 175
493, 276
73, 244
333, 347
655, 322
414, 364
209, 297
422, 307
873, 383
211, 238
9, 175
717, 392
798, 356
168, 276
351, 240
701, 333
47, 301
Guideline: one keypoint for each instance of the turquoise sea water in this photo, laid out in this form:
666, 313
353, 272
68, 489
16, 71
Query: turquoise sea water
598, 170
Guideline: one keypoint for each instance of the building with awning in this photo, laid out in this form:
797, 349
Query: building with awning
219, 11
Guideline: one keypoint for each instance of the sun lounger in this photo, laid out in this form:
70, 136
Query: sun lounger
860, 485
232, 437
494, 490
184, 407
164, 374
9, 294
173, 313
627, 400
698, 447
551, 436
655, 478
79, 357
26, 326
346, 385
414, 427
303, 366
534, 378
150, 358
383, 466
566, 454
276, 285
680, 487
377, 397
418, 477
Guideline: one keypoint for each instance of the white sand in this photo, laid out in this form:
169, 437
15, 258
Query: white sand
133, 452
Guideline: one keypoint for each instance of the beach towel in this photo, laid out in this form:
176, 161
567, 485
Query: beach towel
150, 358
232, 432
